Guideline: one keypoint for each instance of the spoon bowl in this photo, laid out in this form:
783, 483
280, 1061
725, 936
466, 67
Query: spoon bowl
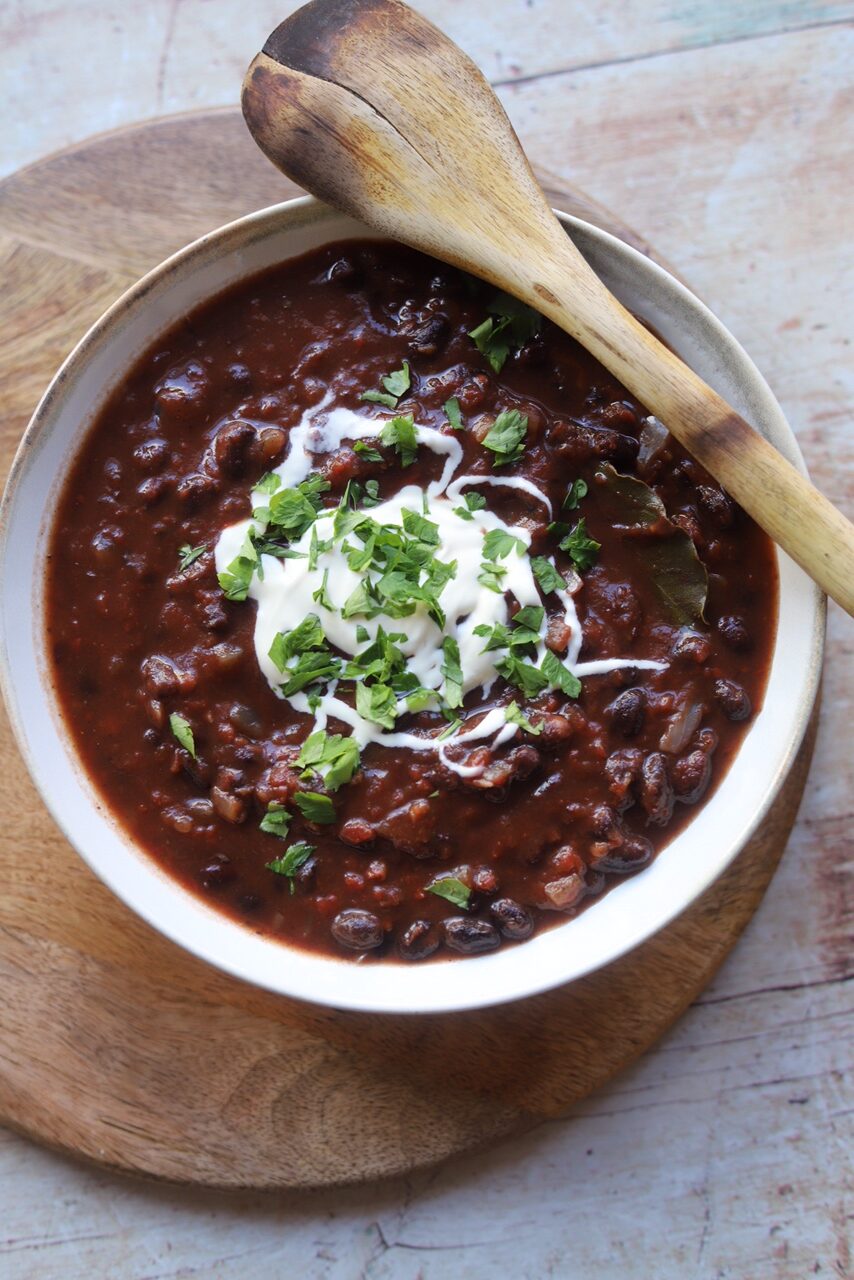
370, 107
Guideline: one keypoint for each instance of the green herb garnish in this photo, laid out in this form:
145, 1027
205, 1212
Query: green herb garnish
315, 807
513, 715
580, 547
333, 756
291, 860
452, 413
396, 384
276, 820
547, 575
577, 490
505, 438
182, 733
559, 677
400, 433
188, 555
452, 890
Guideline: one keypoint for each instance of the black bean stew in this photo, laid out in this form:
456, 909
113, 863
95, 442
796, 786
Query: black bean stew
396, 852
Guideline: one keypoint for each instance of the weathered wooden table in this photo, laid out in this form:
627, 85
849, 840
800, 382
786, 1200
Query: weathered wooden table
718, 130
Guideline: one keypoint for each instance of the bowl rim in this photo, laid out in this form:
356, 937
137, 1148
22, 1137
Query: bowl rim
286, 217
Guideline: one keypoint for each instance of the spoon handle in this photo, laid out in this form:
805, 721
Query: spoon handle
779, 498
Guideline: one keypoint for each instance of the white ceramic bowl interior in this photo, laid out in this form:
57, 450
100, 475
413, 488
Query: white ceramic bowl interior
630, 912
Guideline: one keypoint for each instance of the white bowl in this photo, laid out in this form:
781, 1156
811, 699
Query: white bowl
630, 912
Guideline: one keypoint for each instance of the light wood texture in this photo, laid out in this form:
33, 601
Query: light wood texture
372, 108
725, 1150
102, 1035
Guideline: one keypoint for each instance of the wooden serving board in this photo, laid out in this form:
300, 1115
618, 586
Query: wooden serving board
115, 1044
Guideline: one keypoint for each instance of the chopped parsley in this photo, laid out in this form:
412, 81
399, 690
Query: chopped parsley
547, 575
580, 547
236, 577
505, 438
315, 807
491, 574
513, 715
498, 544
294, 857
400, 433
333, 756
368, 452
452, 413
396, 384
378, 703
510, 325
452, 890
321, 595
182, 733
523, 675
559, 677
188, 555
276, 820
452, 673
576, 491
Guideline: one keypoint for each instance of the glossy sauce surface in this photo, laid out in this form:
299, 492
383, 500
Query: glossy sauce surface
552, 818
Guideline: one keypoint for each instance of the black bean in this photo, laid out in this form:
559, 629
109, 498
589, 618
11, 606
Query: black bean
716, 505
690, 775
152, 489
418, 941
359, 930
627, 712
514, 920
429, 337
656, 795
344, 273
239, 376
219, 871
733, 631
622, 769
633, 853
689, 644
734, 702
306, 875
151, 456
231, 446
470, 937
194, 489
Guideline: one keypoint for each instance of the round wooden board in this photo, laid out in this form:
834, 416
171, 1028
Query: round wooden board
117, 1046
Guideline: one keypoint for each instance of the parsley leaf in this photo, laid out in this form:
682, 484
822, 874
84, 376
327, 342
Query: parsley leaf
581, 548
276, 820
498, 543
377, 702
292, 511
236, 577
452, 413
475, 501
452, 672
188, 555
310, 668
396, 384
491, 574
547, 575
513, 715
510, 324
368, 452
497, 637
321, 595
182, 732
400, 432
315, 807
506, 437
307, 635
291, 860
452, 890
525, 676
333, 756
559, 677
577, 490
419, 527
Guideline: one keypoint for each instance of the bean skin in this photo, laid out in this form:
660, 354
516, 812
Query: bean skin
513, 920
418, 941
733, 700
470, 937
358, 930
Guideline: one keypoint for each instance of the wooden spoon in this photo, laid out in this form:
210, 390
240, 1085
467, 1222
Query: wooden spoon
370, 107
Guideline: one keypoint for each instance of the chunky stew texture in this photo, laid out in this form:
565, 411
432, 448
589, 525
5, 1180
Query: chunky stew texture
263, 802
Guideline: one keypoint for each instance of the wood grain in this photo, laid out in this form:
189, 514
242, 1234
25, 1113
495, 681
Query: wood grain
116, 1045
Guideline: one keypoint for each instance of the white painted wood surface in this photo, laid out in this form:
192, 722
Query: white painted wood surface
722, 130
